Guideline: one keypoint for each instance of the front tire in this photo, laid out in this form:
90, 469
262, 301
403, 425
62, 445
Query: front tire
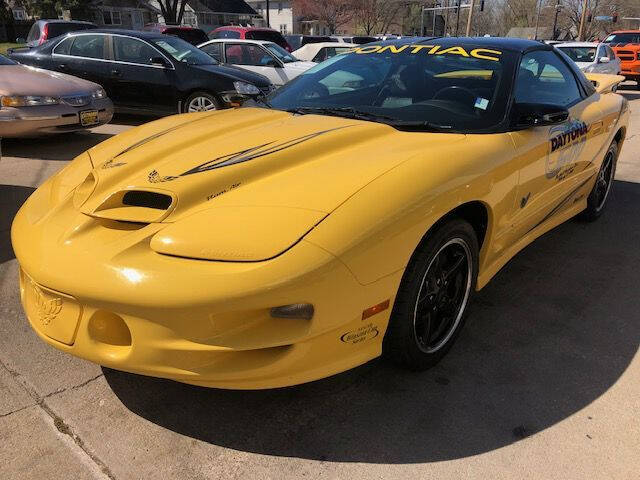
200, 102
429, 310
597, 199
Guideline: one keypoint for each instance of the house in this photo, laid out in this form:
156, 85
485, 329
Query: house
288, 17
126, 14
210, 14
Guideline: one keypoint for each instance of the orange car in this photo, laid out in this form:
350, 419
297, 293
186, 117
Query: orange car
626, 45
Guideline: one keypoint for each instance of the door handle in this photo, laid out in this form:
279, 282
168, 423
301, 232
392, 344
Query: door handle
115, 72
63, 67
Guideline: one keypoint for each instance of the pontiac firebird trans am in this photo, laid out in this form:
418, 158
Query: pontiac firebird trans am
350, 214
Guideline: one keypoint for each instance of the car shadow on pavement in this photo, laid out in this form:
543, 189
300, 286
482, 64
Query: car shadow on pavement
65, 146
11, 199
553, 331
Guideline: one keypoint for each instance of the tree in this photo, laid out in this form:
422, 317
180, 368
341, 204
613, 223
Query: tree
333, 13
172, 10
377, 16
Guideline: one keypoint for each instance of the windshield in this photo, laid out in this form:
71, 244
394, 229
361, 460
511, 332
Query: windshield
184, 51
194, 36
580, 54
623, 38
5, 61
452, 88
281, 53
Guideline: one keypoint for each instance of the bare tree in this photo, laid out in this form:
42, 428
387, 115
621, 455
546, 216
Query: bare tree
172, 10
333, 13
377, 16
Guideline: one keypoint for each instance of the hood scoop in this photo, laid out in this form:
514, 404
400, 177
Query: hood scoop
138, 206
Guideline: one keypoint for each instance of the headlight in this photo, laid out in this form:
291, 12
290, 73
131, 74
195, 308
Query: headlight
98, 94
244, 88
28, 101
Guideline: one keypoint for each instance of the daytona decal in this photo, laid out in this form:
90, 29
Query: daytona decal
481, 53
565, 147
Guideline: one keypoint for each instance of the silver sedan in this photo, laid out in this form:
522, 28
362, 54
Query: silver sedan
35, 102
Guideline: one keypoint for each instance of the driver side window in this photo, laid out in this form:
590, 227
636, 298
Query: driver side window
544, 78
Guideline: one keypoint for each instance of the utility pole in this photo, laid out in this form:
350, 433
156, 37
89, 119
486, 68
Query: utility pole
585, 5
469, 18
535, 36
555, 20
268, 20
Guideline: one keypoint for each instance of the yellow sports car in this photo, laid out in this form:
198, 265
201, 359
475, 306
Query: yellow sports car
350, 214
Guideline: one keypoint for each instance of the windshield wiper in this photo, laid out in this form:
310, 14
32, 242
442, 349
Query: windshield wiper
346, 112
420, 125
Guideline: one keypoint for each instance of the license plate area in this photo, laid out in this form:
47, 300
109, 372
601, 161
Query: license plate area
89, 118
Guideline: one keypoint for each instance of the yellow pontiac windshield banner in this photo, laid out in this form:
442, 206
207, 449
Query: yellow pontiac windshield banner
482, 53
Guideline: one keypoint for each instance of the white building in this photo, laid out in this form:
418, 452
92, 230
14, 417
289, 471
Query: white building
280, 15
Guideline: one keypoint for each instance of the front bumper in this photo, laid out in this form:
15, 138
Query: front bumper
201, 322
34, 121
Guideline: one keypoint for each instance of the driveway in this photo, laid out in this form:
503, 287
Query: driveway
544, 382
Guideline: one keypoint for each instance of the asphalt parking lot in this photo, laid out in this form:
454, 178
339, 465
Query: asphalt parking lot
544, 381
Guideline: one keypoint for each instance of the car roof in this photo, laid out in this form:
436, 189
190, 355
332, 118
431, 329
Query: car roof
625, 31
577, 44
150, 34
244, 29
57, 20
504, 43
238, 40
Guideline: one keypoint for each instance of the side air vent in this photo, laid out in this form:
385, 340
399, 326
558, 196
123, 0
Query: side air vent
143, 198
139, 206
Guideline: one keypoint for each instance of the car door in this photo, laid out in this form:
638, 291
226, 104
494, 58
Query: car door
254, 58
82, 55
142, 78
554, 161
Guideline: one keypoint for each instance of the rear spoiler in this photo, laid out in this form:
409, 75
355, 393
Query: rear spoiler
605, 83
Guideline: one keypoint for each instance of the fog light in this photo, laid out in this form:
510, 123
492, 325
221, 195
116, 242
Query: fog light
295, 310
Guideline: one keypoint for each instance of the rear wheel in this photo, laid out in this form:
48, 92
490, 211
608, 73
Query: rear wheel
597, 199
433, 297
200, 102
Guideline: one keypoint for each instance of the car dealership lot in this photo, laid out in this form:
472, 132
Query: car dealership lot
543, 383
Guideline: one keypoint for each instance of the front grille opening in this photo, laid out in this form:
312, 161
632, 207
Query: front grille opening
141, 198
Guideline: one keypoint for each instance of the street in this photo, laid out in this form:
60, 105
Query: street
544, 381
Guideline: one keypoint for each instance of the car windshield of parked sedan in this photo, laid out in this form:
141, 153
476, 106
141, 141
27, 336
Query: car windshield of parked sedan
281, 53
184, 51
5, 61
421, 86
580, 54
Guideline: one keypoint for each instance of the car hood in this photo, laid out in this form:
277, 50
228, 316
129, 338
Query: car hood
249, 157
235, 73
23, 80
300, 67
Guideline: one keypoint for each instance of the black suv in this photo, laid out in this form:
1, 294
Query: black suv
147, 72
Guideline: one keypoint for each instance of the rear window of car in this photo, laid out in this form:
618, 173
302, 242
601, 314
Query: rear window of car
267, 35
363, 40
193, 36
57, 29
226, 34
34, 33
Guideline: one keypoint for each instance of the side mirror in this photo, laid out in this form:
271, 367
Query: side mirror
160, 62
21, 40
527, 115
604, 60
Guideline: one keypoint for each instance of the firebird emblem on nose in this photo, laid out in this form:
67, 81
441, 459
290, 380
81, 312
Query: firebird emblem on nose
239, 157
48, 308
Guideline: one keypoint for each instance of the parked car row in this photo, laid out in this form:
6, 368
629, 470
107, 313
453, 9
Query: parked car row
159, 71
